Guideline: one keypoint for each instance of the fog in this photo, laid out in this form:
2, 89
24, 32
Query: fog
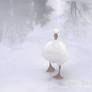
26, 26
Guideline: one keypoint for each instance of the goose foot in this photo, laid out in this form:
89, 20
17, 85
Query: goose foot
58, 76
50, 68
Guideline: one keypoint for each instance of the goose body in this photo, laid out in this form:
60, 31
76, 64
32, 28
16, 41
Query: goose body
55, 52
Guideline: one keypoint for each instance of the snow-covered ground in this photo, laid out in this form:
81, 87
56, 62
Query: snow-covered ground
22, 67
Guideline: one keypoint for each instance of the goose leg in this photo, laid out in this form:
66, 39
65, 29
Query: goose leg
50, 68
58, 76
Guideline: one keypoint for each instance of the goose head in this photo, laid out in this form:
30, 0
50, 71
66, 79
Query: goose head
56, 34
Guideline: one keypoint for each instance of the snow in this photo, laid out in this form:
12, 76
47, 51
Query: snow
22, 67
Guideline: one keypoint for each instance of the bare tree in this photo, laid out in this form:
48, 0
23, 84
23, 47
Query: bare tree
78, 16
42, 11
21, 17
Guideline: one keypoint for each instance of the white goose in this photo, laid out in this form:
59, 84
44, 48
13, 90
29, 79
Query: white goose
55, 52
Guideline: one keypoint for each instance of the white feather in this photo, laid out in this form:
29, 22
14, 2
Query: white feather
55, 52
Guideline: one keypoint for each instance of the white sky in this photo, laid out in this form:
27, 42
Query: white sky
58, 5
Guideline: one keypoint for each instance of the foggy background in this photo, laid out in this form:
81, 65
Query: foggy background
25, 28
20, 17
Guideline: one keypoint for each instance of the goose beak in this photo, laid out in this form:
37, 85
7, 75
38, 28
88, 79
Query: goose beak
55, 36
